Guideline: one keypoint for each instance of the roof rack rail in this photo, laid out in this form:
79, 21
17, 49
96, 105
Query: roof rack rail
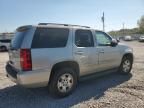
62, 24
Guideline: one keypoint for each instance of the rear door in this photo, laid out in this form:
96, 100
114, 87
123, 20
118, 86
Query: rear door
84, 51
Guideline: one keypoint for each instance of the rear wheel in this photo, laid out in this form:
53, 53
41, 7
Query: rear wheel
63, 82
126, 65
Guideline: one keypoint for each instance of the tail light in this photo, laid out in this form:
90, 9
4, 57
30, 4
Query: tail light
25, 59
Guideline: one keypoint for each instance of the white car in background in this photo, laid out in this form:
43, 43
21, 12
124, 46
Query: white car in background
128, 38
4, 44
141, 39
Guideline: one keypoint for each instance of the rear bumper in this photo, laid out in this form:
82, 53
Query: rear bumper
30, 79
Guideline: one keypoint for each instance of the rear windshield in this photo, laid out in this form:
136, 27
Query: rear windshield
50, 38
17, 40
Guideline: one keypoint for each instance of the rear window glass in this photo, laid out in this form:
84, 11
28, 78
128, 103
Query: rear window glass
17, 40
50, 38
84, 38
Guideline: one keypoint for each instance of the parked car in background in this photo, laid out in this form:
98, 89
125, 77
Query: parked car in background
58, 55
118, 39
4, 44
141, 39
128, 38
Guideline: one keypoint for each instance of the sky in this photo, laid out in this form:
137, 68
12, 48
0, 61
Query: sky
15, 13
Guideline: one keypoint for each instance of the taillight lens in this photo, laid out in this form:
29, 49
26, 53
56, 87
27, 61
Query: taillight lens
25, 59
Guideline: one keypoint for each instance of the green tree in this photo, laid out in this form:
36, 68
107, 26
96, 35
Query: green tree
141, 24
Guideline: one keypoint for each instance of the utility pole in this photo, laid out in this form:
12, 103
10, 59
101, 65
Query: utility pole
103, 21
123, 28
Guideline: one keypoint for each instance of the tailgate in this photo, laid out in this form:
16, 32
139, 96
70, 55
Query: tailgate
15, 46
14, 59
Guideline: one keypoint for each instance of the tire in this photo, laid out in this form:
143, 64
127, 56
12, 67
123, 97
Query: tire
126, 65
3, 48
63, 82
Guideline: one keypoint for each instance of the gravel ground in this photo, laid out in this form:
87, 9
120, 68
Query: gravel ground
110, 91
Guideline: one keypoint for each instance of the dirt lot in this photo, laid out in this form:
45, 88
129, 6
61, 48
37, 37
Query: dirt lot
111, 91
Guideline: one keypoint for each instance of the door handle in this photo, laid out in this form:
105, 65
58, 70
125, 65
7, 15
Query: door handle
102, 51
79, 53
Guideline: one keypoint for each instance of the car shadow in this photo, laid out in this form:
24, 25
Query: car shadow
19, 97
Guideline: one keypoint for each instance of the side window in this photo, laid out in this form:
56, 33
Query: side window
103, 39
50, 38
84, 38
5, 41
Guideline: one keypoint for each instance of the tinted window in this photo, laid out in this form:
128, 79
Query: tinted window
50, 38
17, 40
102, 38
84, 38
5, 41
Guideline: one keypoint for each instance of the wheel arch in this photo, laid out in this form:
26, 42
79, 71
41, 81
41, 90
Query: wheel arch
3, 46
128, 55
71, 64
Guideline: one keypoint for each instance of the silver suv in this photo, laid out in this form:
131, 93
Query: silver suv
58, 55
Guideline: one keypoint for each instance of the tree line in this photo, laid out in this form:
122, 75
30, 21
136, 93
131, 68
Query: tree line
124, 32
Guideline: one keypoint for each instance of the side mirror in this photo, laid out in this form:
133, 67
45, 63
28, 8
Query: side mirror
114, 42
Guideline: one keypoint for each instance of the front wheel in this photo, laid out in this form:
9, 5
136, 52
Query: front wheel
63, 82
126, 65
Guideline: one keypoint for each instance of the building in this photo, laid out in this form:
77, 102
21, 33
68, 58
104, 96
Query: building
6, 35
